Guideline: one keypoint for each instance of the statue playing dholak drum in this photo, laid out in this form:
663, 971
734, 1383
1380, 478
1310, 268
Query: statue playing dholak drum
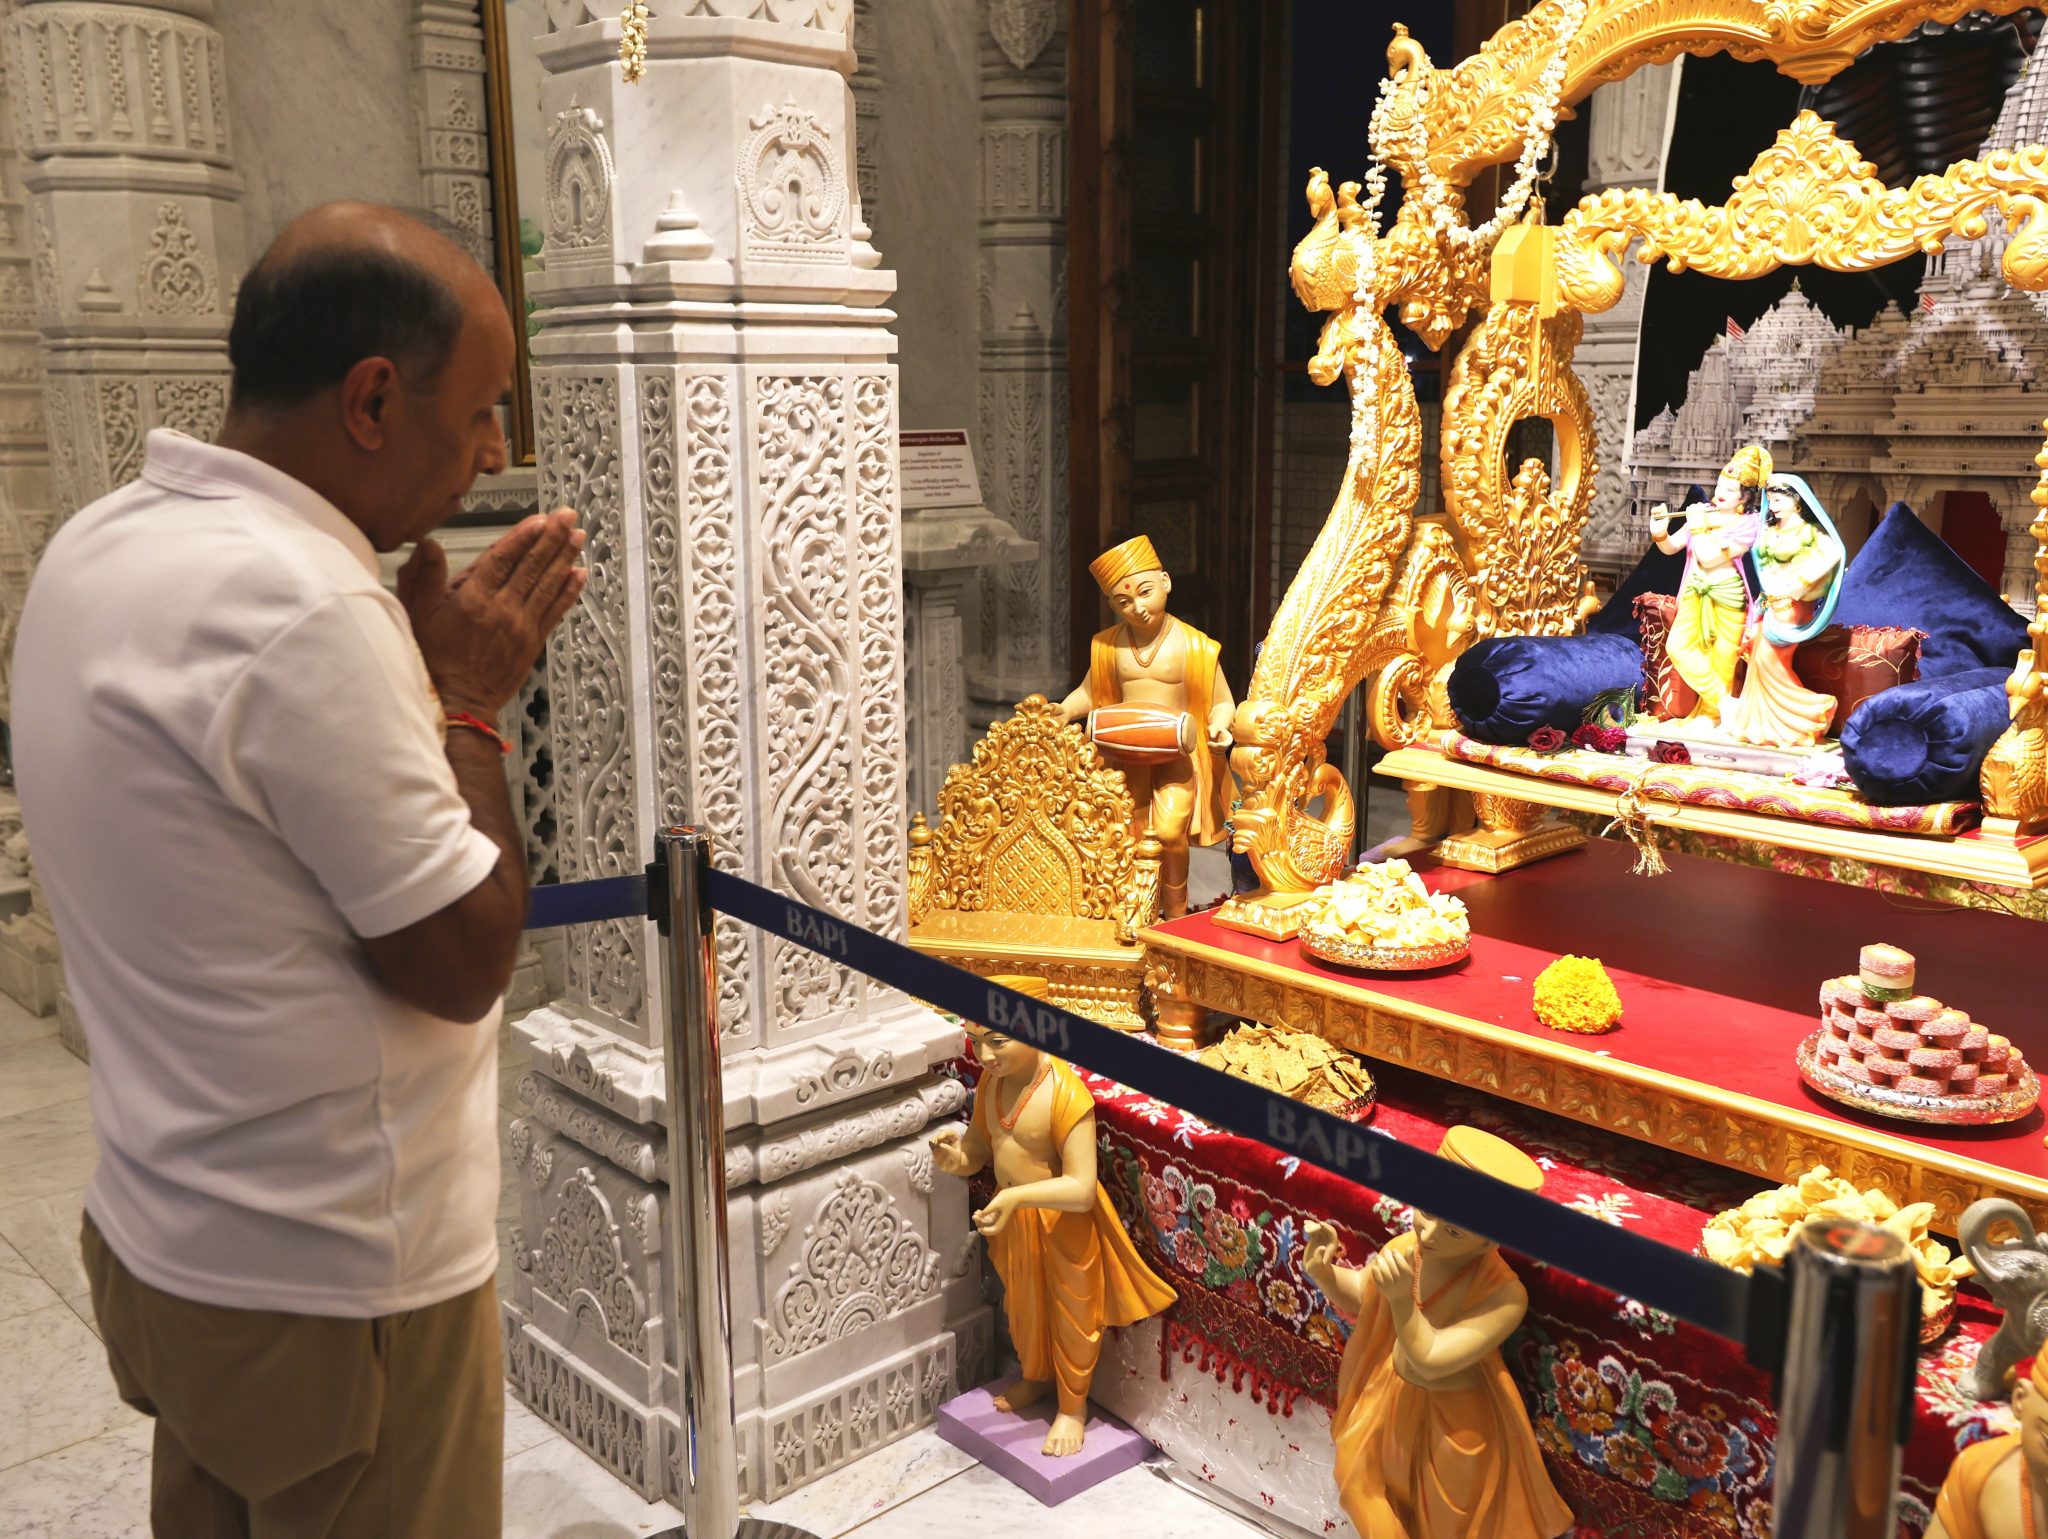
1158, 707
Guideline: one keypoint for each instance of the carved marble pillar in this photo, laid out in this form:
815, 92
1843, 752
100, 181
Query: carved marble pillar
26, 515
448, 98
1021, 444
947, 555
119, 114
1630, 132
714, 390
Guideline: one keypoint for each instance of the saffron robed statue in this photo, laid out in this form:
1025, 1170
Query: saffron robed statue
1068, 1267
1157, 706
1432, 1440
1998, 1487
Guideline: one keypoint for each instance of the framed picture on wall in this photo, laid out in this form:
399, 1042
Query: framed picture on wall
518, 148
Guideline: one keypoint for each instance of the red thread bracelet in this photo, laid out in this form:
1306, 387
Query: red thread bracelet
477, 724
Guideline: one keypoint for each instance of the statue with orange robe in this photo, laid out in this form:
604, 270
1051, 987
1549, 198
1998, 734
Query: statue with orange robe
1432, 1440
1068, 1267
1150, 659
1998, 1488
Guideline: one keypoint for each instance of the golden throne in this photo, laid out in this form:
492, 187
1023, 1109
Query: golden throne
1034, 868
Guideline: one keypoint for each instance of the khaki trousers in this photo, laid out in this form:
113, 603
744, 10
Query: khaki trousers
282, 1426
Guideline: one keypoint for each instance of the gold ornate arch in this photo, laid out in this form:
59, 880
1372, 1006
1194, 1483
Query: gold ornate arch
1386, 595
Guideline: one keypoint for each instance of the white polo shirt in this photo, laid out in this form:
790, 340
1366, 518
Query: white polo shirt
230, 765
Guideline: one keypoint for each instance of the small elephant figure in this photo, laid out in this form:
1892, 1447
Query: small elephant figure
2015, 1272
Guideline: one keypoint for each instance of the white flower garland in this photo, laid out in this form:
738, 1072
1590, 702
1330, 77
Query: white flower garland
633, 41
1434, 196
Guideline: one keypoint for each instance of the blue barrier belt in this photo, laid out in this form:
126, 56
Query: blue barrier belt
1633, 1265
610, 897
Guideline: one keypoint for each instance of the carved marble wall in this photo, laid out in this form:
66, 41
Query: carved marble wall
1630, 131
737, 663
120, 240
1021, 437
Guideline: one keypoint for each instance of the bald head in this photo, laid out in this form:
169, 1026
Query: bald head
341, 283
371, 355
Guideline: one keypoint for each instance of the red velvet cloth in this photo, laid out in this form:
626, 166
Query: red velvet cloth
1719, 969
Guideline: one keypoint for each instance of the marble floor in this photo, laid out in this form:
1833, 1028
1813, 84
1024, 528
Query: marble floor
74, 1461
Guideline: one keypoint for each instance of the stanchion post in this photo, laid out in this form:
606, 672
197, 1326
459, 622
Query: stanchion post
699, 1248
1845, 1399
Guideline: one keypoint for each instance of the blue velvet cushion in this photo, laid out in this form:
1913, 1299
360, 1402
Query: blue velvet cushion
1506, 687
1905, 575
1925, 742
1655, 573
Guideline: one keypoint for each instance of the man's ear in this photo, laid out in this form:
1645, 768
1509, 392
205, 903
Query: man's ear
1166, 585
2022, 1392
367, 393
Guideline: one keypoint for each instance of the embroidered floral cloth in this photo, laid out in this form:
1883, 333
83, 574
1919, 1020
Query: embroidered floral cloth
1652, 1427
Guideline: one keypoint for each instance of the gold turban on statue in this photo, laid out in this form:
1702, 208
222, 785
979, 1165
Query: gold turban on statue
1749, 466
1491, 1156
1036, 988
1126, 560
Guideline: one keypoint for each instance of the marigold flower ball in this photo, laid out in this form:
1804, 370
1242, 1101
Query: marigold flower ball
1575, 994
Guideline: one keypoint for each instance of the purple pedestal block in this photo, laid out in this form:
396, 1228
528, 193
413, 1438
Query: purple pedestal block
1008, 1443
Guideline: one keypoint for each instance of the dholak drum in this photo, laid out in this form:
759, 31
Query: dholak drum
1141, 734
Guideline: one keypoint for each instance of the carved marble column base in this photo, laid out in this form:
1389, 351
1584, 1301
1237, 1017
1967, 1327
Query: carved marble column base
31, 969
536, 975
856, 1286
71, 1030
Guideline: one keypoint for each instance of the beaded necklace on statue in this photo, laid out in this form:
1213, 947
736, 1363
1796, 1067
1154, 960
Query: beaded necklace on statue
1009, 1119
1145, 658
1423, 1306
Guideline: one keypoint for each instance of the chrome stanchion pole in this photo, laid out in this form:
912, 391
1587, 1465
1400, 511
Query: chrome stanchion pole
1845, 1399
698, 1259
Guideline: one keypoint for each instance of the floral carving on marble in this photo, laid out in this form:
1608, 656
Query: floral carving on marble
49, 291
578, 430
192, 405
776, 1213
1022, 28
120, 421
713, 663
848, 1072
177, 276
581, 1405
581, 1264
578, 204
793, 185
809, 672
619, 1142
876, 518
862, 1261
662, 505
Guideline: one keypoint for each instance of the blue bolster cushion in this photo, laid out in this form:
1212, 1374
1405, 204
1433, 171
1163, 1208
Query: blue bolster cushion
1506, 687
1925, 742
